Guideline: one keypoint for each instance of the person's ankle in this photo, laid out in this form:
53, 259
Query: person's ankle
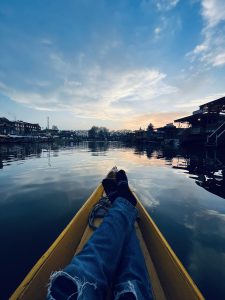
123, 187
129, 197
110, 188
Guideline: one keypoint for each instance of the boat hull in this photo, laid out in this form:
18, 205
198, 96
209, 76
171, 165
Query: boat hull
169, 278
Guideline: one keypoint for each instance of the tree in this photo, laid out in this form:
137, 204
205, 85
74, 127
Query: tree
92, 133
150, 128
54, 127
100, 133
103, 133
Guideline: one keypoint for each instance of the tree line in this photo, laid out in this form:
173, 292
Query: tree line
103, 133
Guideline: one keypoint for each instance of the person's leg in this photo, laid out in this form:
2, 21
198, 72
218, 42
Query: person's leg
132, 279
91, 272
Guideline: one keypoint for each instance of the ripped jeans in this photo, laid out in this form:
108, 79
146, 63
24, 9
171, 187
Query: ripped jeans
111, 259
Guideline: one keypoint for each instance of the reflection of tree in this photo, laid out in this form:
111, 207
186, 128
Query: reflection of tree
169, 153
96, 147
139, 149
149, 152
160, 153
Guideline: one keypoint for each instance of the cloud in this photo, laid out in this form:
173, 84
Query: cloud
93, 92
216, 214
121, 71
197, 102
219, 59
161, 28
166, 4
167, 26
161, 5
45, 41
210, 53
157, 30
213, 12
200, 48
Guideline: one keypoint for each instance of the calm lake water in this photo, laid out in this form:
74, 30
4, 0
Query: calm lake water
43, 186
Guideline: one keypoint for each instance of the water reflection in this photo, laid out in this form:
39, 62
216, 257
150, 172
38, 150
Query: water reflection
195, 219
42, 186
207, 168
98, 148
19, 152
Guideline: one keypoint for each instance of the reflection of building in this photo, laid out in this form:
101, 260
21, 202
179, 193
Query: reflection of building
19, 152
18, 127
206, 125
208, 170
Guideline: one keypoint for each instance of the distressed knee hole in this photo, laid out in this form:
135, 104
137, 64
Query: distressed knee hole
127, 296
65, 287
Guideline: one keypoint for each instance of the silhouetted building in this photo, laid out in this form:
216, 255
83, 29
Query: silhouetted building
18, 127
206, 125
140, 135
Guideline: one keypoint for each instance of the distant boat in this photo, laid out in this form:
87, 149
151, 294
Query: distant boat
169, 278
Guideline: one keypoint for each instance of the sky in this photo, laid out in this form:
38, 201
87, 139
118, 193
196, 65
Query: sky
115, 63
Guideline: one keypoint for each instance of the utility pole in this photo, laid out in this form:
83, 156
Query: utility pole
48, 123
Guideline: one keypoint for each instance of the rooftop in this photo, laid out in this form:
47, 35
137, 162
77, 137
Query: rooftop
190, 118
220, 103
215, 106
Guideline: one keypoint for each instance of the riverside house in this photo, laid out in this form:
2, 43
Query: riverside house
206, 126
18, 128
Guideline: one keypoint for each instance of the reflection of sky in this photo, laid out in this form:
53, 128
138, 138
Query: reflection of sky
40, 196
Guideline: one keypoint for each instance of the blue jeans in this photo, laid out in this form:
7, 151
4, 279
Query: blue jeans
112, 258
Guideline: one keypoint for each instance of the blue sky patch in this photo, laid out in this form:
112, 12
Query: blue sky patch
119, 64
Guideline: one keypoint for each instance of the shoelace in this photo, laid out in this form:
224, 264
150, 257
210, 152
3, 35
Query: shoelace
98, 211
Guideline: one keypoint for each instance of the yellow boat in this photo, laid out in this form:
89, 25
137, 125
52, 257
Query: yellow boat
169, 278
